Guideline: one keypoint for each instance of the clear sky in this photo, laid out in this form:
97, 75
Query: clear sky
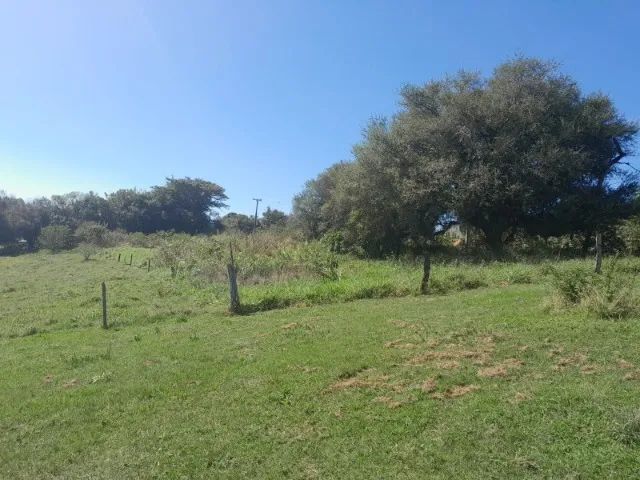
258, 96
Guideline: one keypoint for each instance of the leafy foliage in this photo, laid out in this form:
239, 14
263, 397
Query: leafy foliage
521, 151
56, 238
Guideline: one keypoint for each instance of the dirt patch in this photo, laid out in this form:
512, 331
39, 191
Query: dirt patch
633, 375
290, 326
74, 382
451, 354
574, 360
624, 364
448, 365
47, 379
401, 344
429, 385
492, 372
456, 392
359, 381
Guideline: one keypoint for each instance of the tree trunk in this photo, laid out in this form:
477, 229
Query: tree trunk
426, 273
598, 268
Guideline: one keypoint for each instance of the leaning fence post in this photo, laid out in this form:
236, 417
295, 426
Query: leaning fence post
234, 296
131, 260
119, 257
104, 306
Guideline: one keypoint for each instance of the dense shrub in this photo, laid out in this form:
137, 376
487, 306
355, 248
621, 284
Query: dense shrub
55, 238
93, 233
629, 232
611, 295
571, 282
87, 250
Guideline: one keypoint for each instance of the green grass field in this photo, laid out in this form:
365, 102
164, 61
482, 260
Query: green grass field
481, 382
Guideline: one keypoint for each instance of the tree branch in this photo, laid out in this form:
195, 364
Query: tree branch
620, 153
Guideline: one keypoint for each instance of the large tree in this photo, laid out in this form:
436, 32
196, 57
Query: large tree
186, 204
521, 146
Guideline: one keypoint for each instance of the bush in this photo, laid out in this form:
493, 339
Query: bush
93, 233
610, 295
629, 232
177, 252
55, 238
87, 250
116, 237
570, 283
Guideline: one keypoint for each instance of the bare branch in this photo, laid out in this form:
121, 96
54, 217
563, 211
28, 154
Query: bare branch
620, 153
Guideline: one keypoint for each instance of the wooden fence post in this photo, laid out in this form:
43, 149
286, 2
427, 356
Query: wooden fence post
131, 260
119, 257
234, 296
105, 325
148, 265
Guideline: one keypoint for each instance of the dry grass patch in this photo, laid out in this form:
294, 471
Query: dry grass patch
520, 397
400, 344
74, 382
452, 354
455, 392
588, 369
429, 385
624, 364
448, 365
365, 379
492, 372
575, 360
500, 370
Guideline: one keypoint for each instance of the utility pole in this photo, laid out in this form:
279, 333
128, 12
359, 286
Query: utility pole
255, 218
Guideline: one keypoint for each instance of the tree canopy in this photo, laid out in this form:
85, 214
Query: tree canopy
522, 150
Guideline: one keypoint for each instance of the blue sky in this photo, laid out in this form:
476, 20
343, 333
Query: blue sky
258, 96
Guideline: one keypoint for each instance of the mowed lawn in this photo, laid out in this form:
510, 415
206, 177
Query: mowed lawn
485, 383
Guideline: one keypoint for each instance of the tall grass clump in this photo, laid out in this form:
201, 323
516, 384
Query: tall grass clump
570, 283
260, 258
456, 278
610, 295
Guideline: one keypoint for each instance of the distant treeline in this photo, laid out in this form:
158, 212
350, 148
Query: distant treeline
181, 205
